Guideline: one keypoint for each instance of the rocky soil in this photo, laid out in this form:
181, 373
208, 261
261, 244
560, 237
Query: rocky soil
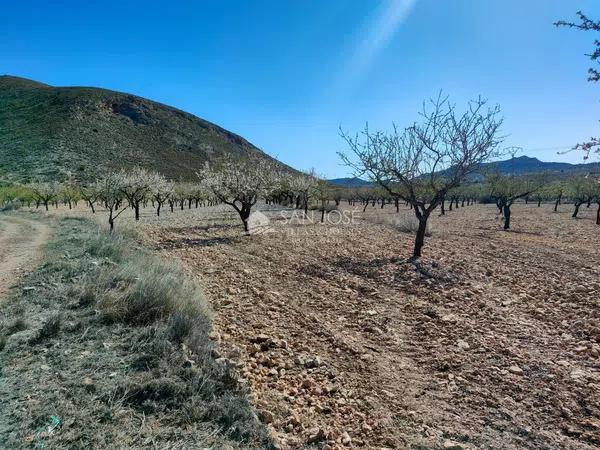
491, 341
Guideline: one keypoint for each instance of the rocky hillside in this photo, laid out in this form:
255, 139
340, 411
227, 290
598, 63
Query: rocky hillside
48, 132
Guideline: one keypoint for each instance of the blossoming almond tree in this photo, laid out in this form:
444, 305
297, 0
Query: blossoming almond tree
240, 183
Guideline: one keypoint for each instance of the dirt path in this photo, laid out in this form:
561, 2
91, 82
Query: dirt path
20, 243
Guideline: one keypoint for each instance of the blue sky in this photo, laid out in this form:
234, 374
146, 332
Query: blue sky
285, 74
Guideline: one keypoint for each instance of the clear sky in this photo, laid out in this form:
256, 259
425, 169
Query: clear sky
285, 74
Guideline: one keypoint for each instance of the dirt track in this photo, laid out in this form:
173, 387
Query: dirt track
20, 242
491, 343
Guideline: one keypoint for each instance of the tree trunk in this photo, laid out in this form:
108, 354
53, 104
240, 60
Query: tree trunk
136, 207
111, 221
244, 213
556, 204
420, 237
323, 214
598, 215
506, 211
158, 209
443, 206
46, 205
397, 203
577, 205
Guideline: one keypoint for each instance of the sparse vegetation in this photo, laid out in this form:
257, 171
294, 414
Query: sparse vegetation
146, 356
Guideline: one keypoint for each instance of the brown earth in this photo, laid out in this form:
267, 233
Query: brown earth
492, 341
20, 243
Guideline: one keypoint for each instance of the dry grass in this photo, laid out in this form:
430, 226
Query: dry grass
121, 340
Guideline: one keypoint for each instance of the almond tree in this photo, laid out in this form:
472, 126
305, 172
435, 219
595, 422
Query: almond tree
580, 191
556, 192
45, 192
90, 195
240, 183
587, 24
161, 191
506, 189
110, 190
596, 199
135, 186
322, 192
303, 186
70, 194
422, 163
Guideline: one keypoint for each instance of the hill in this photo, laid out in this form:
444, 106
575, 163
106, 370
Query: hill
522, 165
525, 164
47, 132
350, 182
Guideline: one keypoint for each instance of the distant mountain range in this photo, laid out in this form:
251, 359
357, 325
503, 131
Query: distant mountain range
48, 132
522, 165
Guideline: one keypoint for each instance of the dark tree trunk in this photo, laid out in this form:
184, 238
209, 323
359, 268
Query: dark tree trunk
244, 213
323, 214
506, 211
46, 205
158, 209
136, 207
539, 202
556, 203
420, 237
397, 203
577, 205
598, 215
443, 206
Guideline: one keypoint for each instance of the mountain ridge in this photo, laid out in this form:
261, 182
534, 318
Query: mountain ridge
522, 165
49, 132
